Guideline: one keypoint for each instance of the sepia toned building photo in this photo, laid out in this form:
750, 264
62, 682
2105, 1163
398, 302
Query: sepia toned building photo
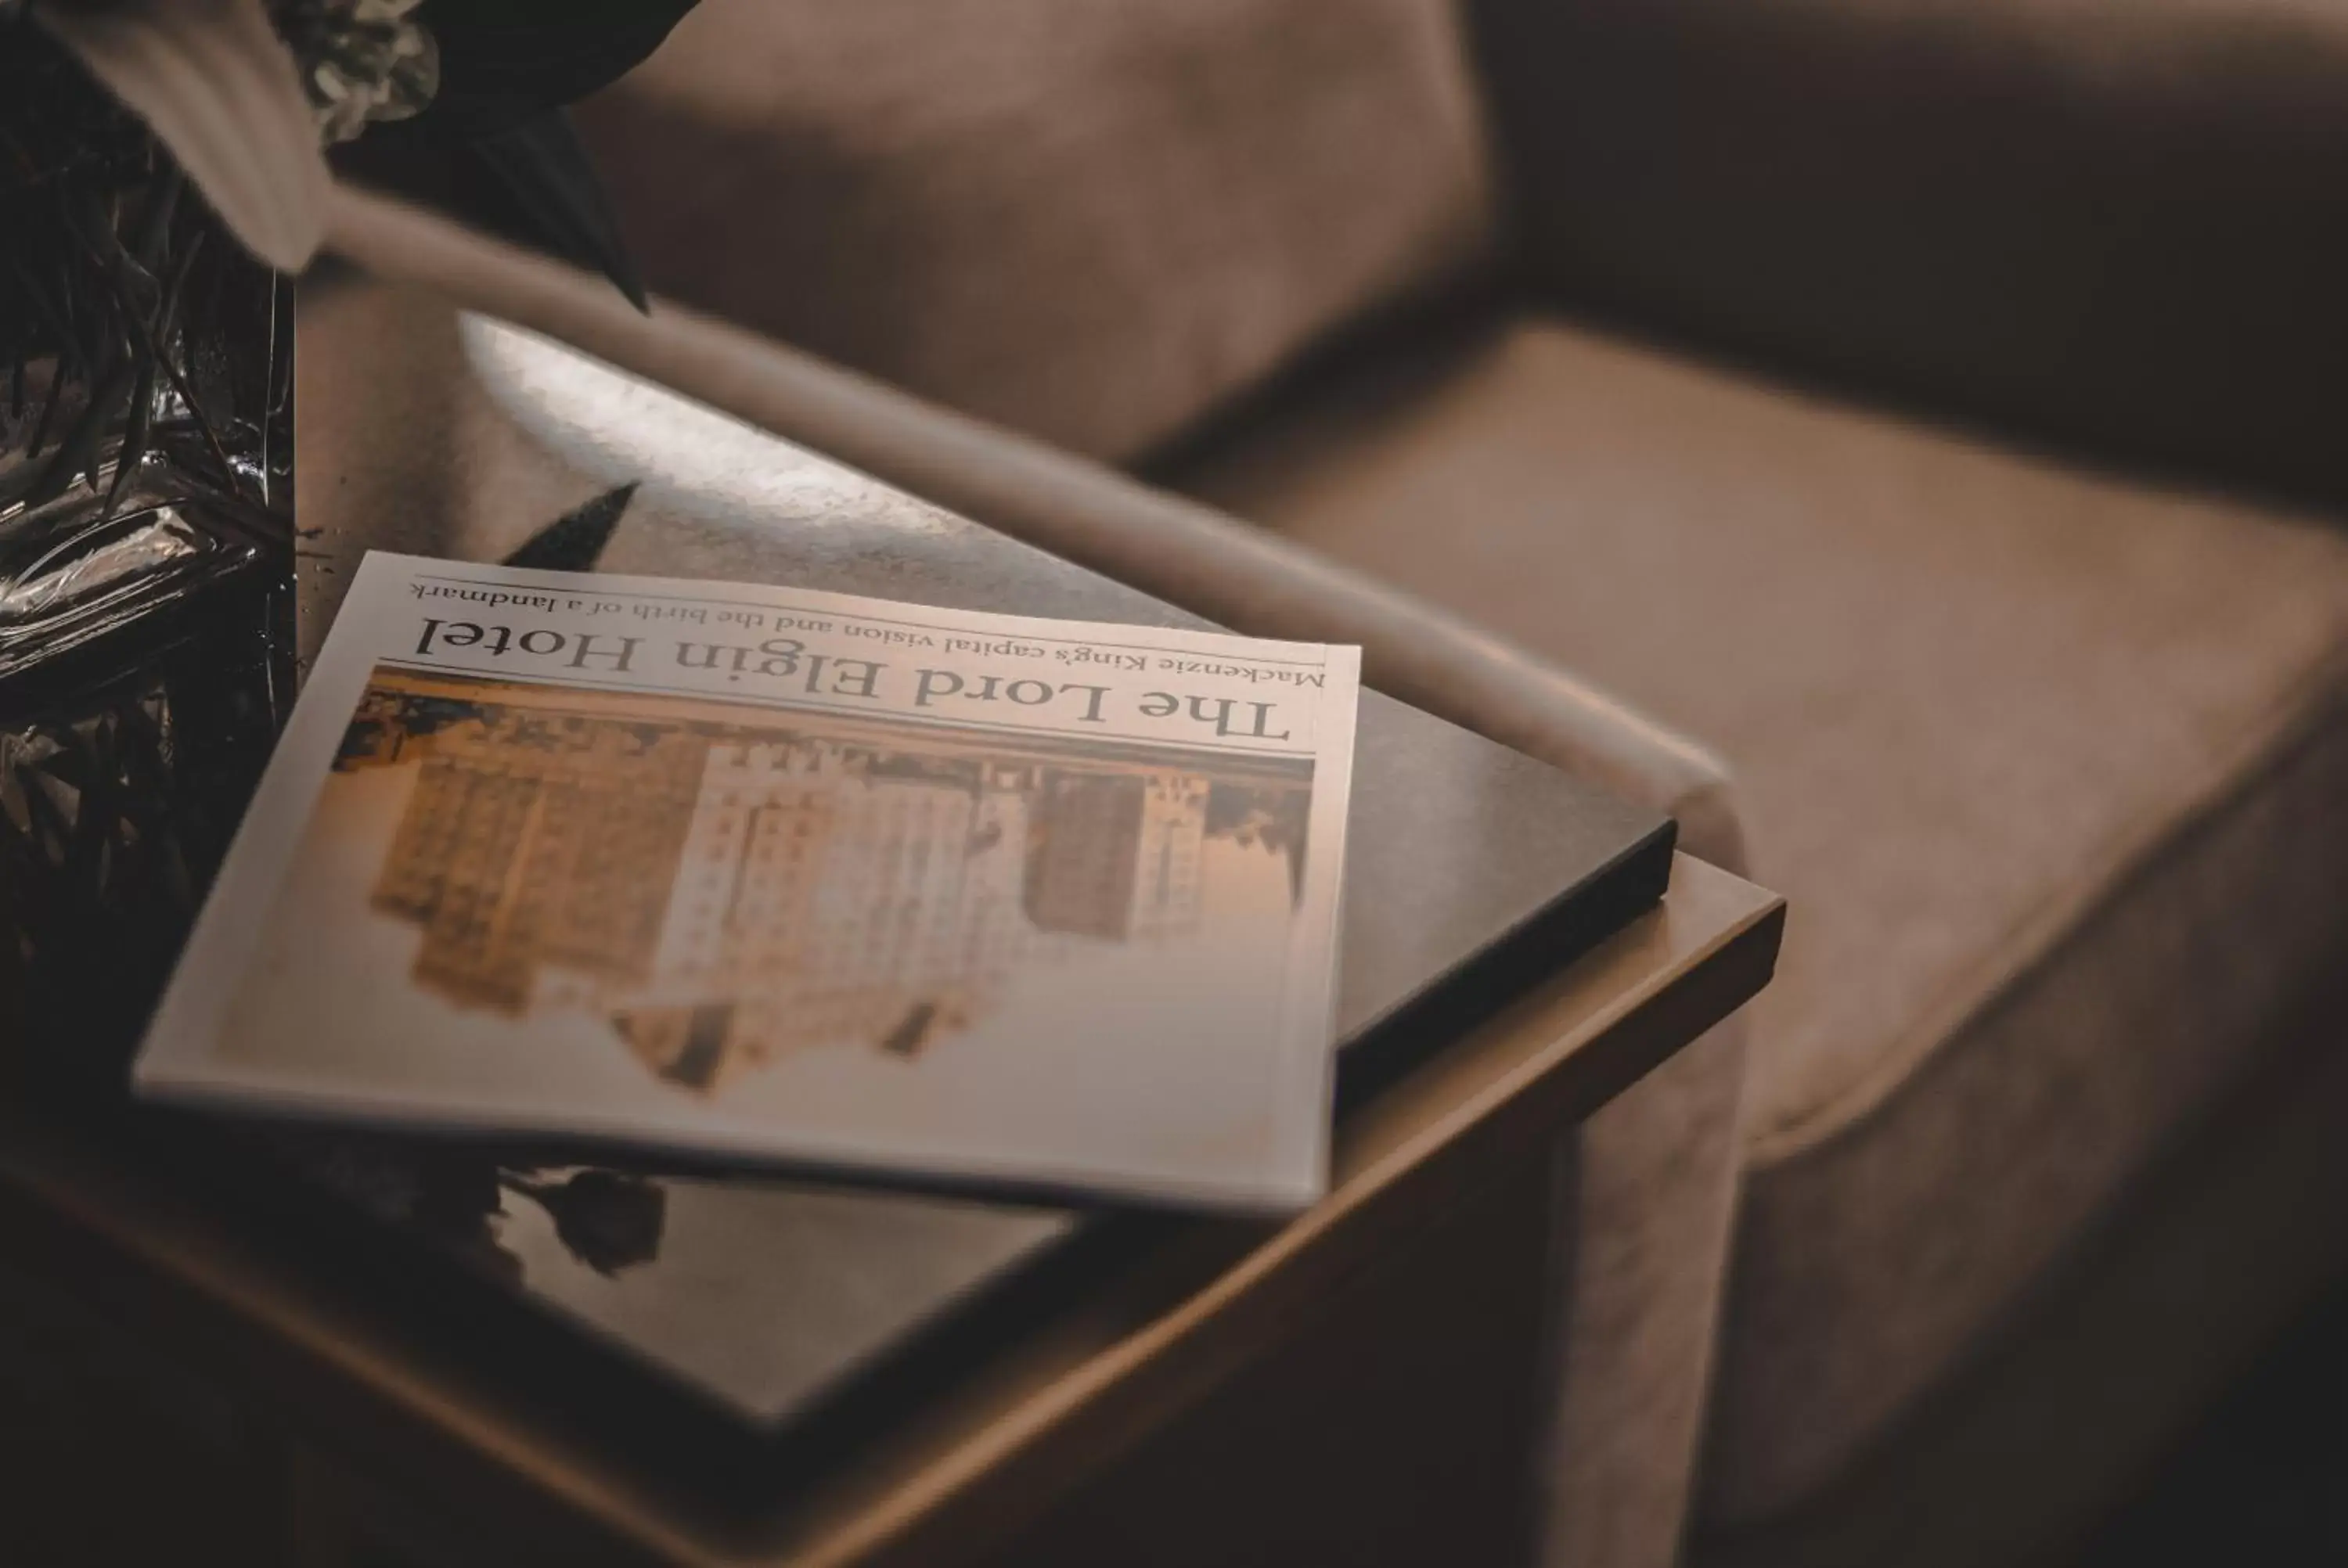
726, 893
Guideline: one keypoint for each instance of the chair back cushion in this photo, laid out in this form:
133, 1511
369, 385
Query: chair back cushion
1091, 221
2117, 228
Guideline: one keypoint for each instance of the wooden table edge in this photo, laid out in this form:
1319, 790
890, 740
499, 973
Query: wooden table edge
1538, 1065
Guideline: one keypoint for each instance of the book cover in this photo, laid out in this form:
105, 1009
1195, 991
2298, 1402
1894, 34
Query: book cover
757, 872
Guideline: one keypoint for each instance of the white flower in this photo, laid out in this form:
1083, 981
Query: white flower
219, 88
364, 61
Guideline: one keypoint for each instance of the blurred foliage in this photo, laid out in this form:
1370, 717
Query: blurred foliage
504, 63
106, 273
494, 145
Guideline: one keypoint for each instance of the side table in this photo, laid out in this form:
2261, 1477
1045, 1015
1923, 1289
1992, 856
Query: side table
1361, 1384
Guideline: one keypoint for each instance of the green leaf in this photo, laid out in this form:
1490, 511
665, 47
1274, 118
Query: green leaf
507, 62
573, 540
494, 147
544, 171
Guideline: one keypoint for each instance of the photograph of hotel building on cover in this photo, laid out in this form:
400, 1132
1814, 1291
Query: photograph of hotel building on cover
726, 887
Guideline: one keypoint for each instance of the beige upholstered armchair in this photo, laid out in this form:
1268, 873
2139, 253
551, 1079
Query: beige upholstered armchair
1789, 368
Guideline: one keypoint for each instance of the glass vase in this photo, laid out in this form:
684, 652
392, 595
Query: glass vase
146, 550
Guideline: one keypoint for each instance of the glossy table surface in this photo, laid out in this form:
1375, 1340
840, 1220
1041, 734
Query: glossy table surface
433, 432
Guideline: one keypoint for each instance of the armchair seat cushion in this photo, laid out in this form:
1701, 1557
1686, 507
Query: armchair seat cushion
2051, 768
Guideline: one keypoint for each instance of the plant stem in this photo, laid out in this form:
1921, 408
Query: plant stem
79, 450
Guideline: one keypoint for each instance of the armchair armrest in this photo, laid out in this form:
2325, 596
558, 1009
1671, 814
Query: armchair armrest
1174, 549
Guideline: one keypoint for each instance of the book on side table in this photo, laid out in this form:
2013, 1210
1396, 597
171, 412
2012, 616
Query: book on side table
752, 871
